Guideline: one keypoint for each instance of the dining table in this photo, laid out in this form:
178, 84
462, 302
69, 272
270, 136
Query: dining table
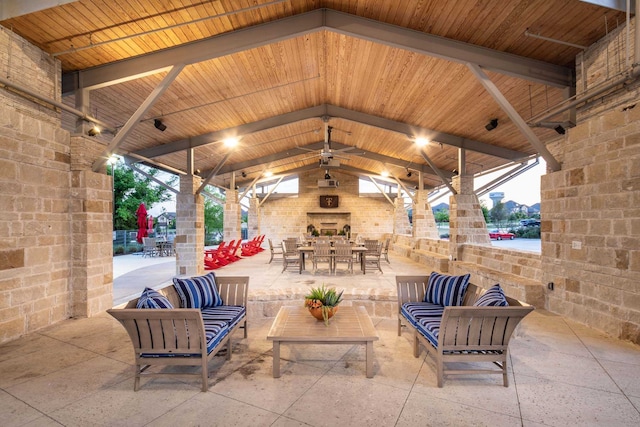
361, 251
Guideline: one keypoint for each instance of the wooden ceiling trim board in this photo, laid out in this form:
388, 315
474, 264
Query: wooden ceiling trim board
13, 8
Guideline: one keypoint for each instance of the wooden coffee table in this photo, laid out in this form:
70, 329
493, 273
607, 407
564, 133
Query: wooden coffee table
350, 325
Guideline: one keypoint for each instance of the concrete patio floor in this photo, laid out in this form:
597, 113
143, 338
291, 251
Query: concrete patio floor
80, 373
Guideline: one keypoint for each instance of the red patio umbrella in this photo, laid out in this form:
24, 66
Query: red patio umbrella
141, 213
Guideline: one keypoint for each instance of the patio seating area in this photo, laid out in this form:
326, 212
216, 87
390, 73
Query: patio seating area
79, 373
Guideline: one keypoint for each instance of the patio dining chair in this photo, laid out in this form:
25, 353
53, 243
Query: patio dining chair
343, 254
276, 252
322, 254
374, 252
290, 257
149, 247
385, 250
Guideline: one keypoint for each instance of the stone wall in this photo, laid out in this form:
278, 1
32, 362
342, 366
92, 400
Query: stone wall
35, 221
590, 209
189, 240
55, 213
519, 273
288, 217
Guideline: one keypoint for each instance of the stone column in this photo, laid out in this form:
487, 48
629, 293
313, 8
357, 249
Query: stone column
253, 220
401, 219
424, 223
232, 218
91, 207
466, 222
189, 241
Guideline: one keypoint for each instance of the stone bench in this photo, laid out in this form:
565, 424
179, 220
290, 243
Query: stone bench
431, 260
518, 287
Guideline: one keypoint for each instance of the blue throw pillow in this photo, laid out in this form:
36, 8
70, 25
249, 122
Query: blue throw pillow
446, 290
151, 298
494, 297
198, 291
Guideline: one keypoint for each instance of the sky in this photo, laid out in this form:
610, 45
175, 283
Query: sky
524, 189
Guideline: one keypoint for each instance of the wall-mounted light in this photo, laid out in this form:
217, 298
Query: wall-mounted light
244, 174
409, 173
268, 174
492, 124
385, 174
95, 130
327, 176
159, 125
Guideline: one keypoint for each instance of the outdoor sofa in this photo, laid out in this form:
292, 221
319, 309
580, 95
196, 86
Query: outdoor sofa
186, 323
456, 321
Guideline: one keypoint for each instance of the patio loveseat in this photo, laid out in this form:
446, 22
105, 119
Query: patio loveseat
456, 321
184, 324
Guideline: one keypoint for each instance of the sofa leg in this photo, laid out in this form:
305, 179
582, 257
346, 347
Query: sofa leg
399, 327
416, 346
136, 381
205, 376
505, 377
440, 371
245, 329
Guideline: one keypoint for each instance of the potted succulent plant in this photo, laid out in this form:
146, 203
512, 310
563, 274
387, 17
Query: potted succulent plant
323, 302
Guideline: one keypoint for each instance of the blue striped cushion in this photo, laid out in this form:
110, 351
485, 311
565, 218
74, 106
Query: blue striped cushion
429, 327
198, 291
446, 290
494, 297
425, 317
231, 314
215, 331
151, 298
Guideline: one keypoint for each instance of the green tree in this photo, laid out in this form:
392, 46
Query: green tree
131, 189
213, 216
441, 215
485, 212
498, 214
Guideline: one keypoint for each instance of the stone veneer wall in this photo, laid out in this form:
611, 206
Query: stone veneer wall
189, 240
466, 221
424, 223
590, 209
369, 216
35, 219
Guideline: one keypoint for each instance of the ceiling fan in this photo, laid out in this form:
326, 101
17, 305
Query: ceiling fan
328, 156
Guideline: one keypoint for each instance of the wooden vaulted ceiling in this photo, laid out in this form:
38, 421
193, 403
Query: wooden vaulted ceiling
382, 72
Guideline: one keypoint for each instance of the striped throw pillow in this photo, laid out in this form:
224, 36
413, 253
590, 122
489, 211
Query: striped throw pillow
494, 297
198, 291
446, 290
151, 298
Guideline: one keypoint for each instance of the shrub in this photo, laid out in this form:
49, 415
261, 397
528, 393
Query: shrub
527, 232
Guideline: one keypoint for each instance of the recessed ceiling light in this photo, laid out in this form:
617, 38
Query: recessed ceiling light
421, 142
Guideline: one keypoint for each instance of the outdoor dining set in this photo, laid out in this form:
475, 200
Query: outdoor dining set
331, 251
